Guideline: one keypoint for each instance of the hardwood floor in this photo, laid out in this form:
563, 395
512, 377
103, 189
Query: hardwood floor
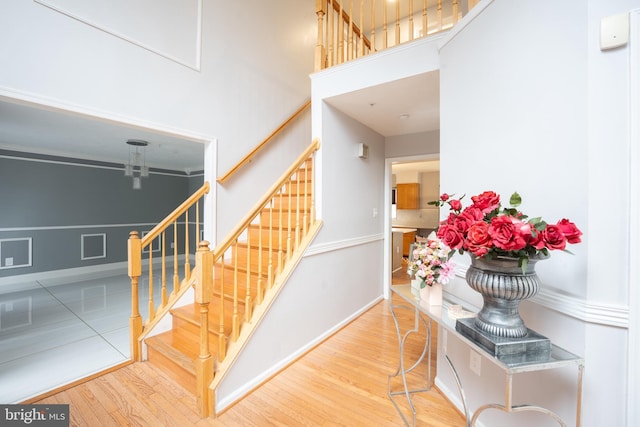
342, 382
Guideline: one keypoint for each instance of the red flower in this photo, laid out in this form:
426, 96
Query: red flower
450, 236
487, 201
537, 241
484, 228
554, 238
478, 240
455, 205
474, 213
505, 234
462, 222
570, 231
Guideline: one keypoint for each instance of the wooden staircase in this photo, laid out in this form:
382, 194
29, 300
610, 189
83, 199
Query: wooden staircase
246, 269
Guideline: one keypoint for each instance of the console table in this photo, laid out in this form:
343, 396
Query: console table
511, 365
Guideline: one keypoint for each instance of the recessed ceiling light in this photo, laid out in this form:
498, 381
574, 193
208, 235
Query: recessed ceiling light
404, 116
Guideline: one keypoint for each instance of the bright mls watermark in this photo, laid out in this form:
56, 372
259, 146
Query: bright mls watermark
34, 415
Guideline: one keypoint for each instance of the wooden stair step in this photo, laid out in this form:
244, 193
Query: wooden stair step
188, 318
163, 354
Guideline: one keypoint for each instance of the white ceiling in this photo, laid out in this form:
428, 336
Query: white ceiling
34, 129
406, 106
402, 107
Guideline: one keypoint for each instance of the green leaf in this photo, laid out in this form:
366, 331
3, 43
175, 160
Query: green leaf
511, 212
515, 199
524, 262
535, 220
541, 225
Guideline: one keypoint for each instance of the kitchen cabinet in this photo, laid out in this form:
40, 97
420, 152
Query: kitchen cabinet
396, 253
408, 196
407, 239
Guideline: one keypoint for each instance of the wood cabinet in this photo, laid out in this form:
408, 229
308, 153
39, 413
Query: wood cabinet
407, 239
408, 196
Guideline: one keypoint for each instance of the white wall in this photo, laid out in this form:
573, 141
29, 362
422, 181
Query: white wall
255, 58
340, 275
541, 110
415, 144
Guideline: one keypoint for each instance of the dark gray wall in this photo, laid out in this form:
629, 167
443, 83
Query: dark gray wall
54, 204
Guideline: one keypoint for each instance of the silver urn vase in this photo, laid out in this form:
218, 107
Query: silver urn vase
502, 284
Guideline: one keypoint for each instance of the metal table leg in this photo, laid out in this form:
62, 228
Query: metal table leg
401, 370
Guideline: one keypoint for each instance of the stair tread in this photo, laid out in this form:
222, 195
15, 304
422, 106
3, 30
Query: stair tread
162, 343
191, 313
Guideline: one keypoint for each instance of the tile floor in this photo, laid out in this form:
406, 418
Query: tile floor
53, 332
56, 331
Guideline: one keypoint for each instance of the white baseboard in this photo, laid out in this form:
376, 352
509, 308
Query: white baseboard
101, 269
454, 397
275, 369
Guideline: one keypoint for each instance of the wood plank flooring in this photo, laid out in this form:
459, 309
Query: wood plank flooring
342, 382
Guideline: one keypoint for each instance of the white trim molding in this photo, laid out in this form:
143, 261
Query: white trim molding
633, 371
588, 311
342, 244
188, 52
246, 388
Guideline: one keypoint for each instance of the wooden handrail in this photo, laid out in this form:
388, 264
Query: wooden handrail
244, 223
258, 255
249, 156
245, 256
155, 231
135, 246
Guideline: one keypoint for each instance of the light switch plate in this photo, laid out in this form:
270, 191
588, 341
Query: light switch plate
475, 362
614, 31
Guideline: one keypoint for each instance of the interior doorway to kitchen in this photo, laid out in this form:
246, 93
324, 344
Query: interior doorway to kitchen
412, 182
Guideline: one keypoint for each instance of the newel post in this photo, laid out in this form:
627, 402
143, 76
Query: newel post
134, 250
204, 362
321, 11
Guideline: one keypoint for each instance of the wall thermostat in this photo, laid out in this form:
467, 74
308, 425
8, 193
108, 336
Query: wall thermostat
614, 31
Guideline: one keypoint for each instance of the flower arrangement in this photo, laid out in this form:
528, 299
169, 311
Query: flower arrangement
431, 262
486, 229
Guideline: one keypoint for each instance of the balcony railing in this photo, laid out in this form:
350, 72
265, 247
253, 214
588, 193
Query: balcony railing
350, 29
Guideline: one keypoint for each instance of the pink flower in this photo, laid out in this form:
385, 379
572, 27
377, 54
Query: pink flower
430, 262
444, 197
447, 270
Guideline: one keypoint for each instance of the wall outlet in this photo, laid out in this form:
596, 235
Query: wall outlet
475, 361
8, 261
